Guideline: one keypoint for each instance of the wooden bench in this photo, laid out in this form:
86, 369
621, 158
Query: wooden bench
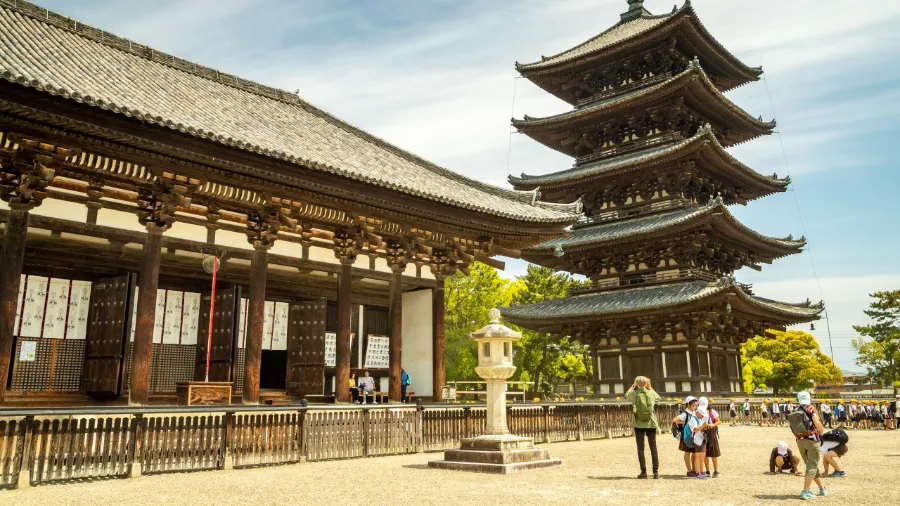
382, 397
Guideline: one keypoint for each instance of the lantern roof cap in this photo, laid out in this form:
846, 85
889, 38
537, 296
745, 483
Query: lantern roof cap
494, 329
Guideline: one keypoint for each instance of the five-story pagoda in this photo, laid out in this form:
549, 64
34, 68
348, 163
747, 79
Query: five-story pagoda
648, 132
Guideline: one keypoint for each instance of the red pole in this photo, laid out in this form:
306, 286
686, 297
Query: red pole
212, 309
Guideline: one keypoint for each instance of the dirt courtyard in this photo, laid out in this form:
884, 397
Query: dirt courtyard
596, 472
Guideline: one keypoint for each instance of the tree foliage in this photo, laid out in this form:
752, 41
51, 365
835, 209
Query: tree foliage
467, 300
786, 362
879, 350
538, 357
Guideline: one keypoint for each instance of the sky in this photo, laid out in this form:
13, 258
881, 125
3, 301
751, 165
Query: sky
437, 78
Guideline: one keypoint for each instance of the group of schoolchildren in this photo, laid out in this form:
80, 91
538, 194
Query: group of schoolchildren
875, 415
697, 431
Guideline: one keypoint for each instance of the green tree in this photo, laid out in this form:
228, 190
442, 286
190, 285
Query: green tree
467, 300
540, 358
786, 362
879, 350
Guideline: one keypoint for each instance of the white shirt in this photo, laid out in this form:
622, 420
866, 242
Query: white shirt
731, 406
695, 421
826, 408
776, 409
828, 445
746, 406
367, 383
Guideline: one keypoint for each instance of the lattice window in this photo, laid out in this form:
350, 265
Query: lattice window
239, 359
56, 366
676, 364
172, 363
609, 367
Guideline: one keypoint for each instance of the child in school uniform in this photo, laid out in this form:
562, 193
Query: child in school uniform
713, 450
765, 407
746, 410
732, 412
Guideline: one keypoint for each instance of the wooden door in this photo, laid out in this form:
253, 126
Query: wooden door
306, 347
721, 381
641, 365
225, 322
109, 322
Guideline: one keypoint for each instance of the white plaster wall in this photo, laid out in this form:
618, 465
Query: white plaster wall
62, 209
119, 219
187, 231
417, 341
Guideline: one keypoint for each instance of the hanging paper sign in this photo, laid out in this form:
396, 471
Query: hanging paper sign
377, 356
28, 351
331, 348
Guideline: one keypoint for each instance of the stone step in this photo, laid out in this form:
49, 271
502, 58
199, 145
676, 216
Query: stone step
494, 468
495, 457
497, 443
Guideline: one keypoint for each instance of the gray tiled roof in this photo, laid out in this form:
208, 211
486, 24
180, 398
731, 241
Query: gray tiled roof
657, 224
633, 300
674, 83
614, 164
627, 31
60, 56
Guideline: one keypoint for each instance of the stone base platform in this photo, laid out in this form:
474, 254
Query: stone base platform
504, 454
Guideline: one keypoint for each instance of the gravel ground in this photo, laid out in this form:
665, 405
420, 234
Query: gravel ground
596, 472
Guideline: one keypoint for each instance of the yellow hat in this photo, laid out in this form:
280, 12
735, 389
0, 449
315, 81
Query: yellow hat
841, 401
732, 398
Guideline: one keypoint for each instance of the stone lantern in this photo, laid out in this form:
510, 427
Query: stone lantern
497, 451
495, 366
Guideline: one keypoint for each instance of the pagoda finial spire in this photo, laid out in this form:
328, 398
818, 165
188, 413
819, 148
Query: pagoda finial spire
635, 10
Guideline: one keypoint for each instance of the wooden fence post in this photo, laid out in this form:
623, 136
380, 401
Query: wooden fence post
227, 463
25, 454
578, 423
468, 422
420, 426
546, 424
136, 446
365, 432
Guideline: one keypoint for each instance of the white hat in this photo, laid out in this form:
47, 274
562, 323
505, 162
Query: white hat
690, 399
898, 396
782, 448
703, 412
704, 403
803, 398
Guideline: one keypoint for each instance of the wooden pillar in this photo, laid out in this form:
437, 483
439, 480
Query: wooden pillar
437, 332
395, 326
11, 259
142, 350
256, 318
344, 321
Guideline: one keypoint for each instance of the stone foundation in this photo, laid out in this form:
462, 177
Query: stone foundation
504, 454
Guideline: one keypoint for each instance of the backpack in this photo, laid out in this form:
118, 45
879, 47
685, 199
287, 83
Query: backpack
676, 429
836, 435
687, 435
800, 423
408, 379
643, 408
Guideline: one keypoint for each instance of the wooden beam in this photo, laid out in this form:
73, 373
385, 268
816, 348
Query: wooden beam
256, 317
148, 282
342, 344
437, 335
395, 326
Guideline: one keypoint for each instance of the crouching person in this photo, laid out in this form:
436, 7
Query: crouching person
834, 446
783, 459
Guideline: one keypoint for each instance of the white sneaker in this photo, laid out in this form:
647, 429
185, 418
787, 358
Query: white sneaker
374, 402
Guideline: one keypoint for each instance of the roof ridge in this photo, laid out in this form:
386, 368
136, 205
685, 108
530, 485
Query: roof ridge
84, 30
520, 66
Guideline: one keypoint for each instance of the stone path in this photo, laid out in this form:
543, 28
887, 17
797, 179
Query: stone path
596, 472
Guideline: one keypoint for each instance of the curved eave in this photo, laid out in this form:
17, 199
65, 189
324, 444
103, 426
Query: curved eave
657, 27
705, 92
704, 144
664, 225
660, 299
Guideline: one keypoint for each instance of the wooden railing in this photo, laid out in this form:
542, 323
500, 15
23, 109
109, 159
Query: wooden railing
59, 445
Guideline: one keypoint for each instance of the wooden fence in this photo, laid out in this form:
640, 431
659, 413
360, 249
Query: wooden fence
66, 444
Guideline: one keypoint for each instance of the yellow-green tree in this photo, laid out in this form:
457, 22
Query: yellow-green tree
786, 362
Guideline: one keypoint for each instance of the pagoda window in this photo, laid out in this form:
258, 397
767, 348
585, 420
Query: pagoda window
609, 367
704, 363
676, 364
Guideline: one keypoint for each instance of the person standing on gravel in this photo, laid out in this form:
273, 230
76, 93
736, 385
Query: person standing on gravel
643, 403
808, 430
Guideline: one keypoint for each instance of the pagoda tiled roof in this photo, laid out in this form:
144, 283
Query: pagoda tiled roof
715, 214
703, 141
631, 31
693, 74
59, 56
671, 298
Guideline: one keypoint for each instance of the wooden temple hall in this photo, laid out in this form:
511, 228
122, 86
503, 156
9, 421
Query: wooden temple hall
123, 168
649, 132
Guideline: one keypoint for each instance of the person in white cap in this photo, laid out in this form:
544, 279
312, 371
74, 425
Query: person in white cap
690, 407
783, 459
713, 451
808, 430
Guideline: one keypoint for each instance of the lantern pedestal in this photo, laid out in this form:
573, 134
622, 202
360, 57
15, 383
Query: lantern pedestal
203, 393
497, 451
501, 454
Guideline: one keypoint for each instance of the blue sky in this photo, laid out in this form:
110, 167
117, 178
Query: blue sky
437, 78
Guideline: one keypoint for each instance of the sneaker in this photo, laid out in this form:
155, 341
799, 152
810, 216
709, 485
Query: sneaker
702, 476
806, 495
642, 476
655, 475
715, 474
822, 492
837, 474
691, 474
374, 402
